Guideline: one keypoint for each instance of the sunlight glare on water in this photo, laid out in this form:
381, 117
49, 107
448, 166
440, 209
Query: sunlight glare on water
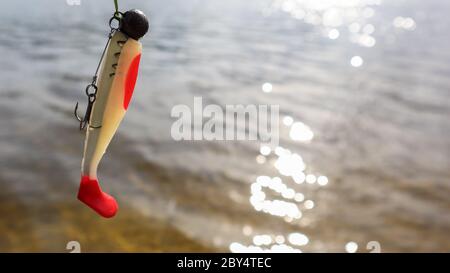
281, 196
337, 18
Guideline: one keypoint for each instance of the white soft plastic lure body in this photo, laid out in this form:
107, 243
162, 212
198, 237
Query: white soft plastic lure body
115, 85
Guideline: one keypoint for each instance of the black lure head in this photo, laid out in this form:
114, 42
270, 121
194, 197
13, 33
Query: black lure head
134, 23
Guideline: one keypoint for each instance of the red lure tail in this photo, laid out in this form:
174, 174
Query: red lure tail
92, 195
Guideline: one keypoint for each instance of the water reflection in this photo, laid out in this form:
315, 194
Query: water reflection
356, 61
281, 197
340, 18
330, 15
273, 243
267, 87
275, 207
301, 132
404, 23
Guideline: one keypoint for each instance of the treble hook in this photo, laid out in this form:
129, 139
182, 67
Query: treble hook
85, 120
87, 115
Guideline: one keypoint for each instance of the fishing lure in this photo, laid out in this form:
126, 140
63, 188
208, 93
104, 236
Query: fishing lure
109, 96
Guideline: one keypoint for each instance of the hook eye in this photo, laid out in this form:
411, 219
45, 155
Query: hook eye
91, 98
89, 87
114, 22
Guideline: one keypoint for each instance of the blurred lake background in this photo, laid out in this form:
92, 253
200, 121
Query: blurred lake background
364, 155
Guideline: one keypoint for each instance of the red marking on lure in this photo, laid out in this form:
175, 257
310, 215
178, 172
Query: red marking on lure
92, 195
130, 80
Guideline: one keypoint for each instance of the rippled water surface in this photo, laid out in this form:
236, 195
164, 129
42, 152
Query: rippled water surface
364, 153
